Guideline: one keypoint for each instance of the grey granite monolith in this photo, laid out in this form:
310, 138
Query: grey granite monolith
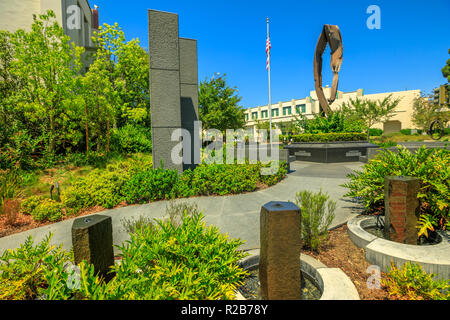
173, 93
92, 242
280, 240
189, 101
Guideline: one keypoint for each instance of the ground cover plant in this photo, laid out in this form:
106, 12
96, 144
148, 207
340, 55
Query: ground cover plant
166, 259
431, 166
411, 282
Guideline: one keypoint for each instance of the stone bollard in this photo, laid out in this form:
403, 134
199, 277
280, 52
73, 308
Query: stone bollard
93, 242
401, 209
279, 262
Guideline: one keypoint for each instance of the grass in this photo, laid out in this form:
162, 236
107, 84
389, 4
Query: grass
40, 182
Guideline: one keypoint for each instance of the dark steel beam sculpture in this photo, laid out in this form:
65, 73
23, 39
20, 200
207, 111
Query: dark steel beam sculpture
330, 35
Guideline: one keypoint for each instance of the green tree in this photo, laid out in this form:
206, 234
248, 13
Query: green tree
48, 65
129, 73
370, 112
219, 105
424, 112
100, 101
446, 69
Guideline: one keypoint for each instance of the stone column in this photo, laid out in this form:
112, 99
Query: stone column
189, 101
401, 209
165, 91
279, 262
92, 242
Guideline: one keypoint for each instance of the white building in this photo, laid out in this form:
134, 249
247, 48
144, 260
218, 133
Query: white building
287, 111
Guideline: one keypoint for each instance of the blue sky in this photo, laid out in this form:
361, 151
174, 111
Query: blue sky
408, 52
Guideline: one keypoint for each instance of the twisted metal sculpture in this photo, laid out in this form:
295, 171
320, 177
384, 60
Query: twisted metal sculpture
330, 35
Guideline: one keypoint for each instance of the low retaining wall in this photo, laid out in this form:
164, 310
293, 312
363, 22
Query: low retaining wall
381, 252
330, 152
333, 282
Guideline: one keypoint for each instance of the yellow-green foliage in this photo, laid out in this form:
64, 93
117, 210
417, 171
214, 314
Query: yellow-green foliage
48, 210
162, 261
25, 272
28, 205
431, 166
413, 282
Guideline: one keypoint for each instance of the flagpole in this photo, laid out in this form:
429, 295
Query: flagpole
270, 95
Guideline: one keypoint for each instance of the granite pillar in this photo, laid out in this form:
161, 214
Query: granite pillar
92, 242
279, 263
401, 209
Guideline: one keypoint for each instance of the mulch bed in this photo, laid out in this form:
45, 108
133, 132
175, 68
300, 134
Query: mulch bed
340, 252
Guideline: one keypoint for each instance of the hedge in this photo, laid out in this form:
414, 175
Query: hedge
326, 137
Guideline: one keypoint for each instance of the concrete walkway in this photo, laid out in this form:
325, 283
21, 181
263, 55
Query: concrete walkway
237, 215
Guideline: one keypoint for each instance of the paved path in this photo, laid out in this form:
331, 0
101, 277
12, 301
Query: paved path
237, 215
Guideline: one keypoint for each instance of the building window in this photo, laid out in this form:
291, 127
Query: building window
246, 117
301, 108
287, 111
275, 113
254, 115
264, 114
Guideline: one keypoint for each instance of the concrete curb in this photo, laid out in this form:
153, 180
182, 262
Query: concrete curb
333, 282
381, 252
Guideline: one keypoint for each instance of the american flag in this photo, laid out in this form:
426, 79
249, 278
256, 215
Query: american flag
268, 47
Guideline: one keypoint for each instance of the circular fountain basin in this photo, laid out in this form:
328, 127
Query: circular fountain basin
434, 257
322, 283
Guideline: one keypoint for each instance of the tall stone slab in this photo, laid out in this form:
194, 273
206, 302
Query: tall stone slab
189, 101
401, 209
279, 262
92, 241
165, 91
173, 93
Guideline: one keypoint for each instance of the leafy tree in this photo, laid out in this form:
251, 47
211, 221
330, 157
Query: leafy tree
48, 65
371, 112
424, 112
129, 73
446, 69
218, 105
100, 103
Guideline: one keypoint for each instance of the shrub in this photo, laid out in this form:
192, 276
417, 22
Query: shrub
413, 282
149, 185
431, 166
273, 179
132, 139
317, 215
25, 272
327, 137
375, 132
222, 179
160, 262
11, 210
10, 183
28, 205
48, 210
336, 122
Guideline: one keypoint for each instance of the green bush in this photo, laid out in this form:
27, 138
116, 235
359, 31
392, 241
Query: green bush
375, 132
336, 122
150, 185
327, 137
25, 272
48, 210
273, 179
413, 282
162, 261
317, 215
431, 166
28, 205
132, 139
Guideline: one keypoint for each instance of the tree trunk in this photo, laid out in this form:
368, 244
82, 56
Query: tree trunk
87, 129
